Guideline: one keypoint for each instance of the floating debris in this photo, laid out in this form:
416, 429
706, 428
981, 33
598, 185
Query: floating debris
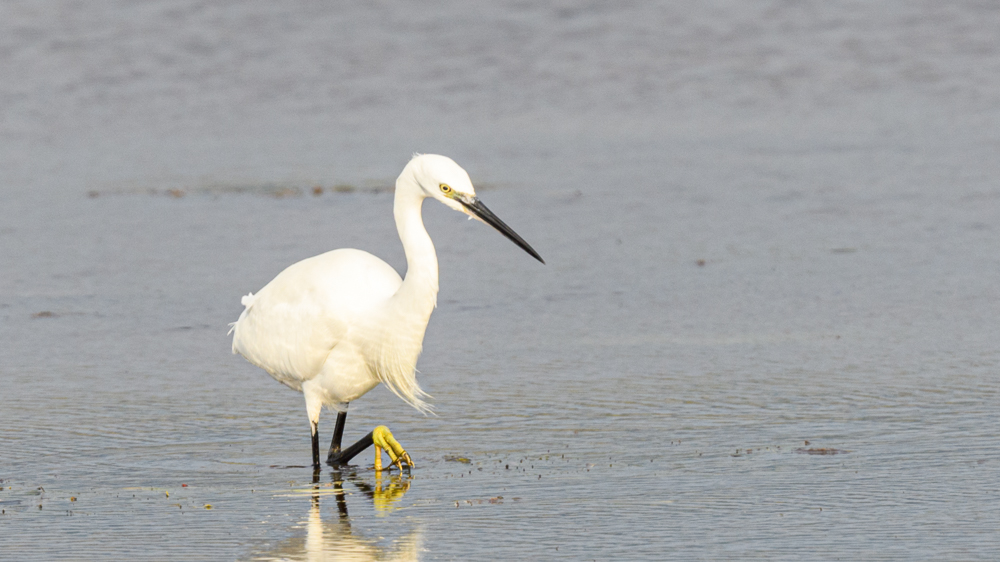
283, 192
823, 451
493, 500
277, 189
455, 458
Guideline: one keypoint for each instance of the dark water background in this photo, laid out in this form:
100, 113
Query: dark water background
764, 225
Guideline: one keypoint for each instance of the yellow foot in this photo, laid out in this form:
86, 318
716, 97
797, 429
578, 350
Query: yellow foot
383, 439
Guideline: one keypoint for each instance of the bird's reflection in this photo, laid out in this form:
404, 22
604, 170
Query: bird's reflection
334, 539
385, 494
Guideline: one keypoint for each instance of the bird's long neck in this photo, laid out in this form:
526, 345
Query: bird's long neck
420, 286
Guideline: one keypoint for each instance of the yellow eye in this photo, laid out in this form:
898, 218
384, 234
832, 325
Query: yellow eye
445, 188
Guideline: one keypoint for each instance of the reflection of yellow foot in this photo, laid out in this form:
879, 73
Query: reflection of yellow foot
385, 497
383, 439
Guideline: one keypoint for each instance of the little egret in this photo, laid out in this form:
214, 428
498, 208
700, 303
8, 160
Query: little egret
336, 325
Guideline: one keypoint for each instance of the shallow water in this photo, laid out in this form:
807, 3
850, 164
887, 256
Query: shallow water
762, 227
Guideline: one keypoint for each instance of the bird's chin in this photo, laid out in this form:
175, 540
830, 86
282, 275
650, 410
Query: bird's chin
472, 216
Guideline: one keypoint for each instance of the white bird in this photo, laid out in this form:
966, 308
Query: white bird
336, 325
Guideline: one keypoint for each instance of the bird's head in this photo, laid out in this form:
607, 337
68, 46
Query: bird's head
440, 178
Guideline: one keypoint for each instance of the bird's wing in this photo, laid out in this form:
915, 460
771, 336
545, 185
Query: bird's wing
291, 325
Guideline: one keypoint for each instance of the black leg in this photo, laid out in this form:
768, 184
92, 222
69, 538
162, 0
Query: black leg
315, 443
338, 434
345, 455
340, 457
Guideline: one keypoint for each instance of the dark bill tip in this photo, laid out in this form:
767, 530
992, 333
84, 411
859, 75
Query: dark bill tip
476, 207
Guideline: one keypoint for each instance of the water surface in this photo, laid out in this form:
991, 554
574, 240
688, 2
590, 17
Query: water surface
763, 227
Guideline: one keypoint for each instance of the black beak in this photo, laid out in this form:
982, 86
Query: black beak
476, 207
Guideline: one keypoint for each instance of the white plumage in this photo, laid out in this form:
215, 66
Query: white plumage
336, 325
312, 322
